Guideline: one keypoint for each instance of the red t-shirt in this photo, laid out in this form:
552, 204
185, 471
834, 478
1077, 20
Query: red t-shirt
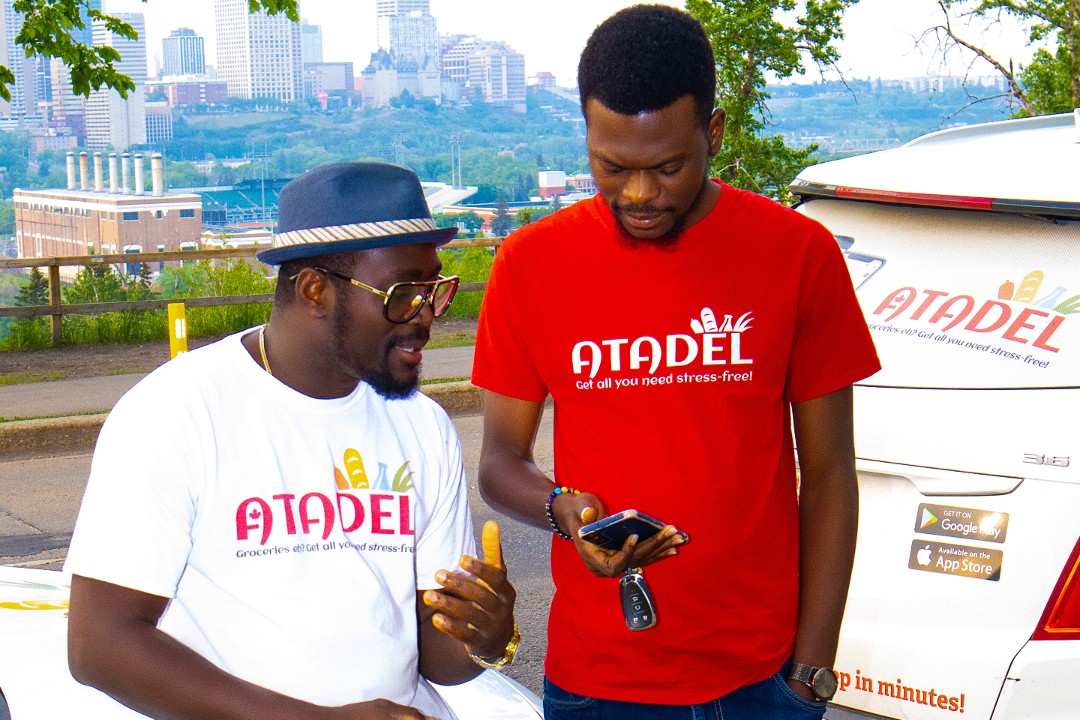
671, 371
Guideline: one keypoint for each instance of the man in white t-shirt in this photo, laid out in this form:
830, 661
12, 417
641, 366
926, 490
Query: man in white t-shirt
277, 525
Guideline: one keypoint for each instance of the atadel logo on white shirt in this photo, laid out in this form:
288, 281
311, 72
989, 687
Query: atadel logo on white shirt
357, 506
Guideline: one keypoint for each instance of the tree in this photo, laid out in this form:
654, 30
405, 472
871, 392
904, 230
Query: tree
751, 41
30, 331
95, 283
46, 31
502, 222
1050, 83
35, 292
524, 216
470, 220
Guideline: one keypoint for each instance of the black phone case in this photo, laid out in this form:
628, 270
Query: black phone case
611, 532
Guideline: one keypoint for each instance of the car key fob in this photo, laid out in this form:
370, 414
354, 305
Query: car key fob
638, 607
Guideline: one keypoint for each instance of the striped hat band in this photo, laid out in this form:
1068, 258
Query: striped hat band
354, 231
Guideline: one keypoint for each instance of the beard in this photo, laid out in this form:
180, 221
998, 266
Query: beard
669, 238
378, 377
666, 240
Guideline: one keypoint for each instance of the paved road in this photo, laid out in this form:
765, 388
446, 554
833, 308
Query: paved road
99, 394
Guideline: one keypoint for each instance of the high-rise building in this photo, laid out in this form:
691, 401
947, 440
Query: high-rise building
491, 72
407, 30
85, 35
388, 8
66, 108
497, 75
23, 98
258, 55
159, 122
310, 43
182, 53
110, 119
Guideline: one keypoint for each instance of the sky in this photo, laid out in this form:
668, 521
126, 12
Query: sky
879, 42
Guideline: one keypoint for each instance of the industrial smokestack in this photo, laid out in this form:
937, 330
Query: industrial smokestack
98, 184
112, 173
140, 181
157, 174
71, 170
125, 171
82, 171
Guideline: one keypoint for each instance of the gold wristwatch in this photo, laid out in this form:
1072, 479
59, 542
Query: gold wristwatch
508, 654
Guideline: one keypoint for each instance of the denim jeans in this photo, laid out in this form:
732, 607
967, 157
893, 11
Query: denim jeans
770, 699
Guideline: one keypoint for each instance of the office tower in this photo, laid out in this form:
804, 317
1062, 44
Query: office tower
497, 75
86, 34
182, 53
159, 123
389, 8
310, 43
490, 72
258, 55
407, 30
23, 98
110, 119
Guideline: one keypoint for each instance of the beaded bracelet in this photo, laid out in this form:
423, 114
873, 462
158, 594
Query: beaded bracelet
550, 516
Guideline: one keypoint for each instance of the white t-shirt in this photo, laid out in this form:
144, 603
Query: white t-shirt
291, 533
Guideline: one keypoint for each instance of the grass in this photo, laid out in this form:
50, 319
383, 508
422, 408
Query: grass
49, 417
439, 381
22, 378
454, 339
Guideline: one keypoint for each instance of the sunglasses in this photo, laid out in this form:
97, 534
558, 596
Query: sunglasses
403, 301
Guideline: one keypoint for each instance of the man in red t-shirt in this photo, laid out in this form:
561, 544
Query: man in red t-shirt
682, 327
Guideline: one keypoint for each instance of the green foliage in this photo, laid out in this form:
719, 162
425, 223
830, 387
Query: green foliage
473, 265
752, 41
502, 224
184, 175
1052, 81
527, 215
470, 220
99, 283
95, 283
203, 280
26, 332
35, 291
46, 31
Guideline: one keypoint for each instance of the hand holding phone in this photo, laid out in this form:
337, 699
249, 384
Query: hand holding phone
611, 532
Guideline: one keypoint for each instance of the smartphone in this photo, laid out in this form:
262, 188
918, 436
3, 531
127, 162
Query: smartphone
862, 266
611, 532
859, 265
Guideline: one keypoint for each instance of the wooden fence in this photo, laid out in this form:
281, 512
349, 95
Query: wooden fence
56, 309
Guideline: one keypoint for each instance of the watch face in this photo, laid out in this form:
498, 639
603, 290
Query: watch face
823, 683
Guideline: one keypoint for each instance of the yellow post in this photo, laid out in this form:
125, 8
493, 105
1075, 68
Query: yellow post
177, 329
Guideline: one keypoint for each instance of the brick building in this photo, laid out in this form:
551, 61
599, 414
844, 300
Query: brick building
105, 216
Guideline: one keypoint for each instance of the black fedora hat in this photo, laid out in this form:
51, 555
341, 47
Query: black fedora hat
347, 206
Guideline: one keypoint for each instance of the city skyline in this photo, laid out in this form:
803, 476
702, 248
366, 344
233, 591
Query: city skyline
880, 41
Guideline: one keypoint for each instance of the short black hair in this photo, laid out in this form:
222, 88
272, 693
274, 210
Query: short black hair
645, 57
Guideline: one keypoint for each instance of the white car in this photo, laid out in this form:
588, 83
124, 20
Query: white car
36, 684
964, 246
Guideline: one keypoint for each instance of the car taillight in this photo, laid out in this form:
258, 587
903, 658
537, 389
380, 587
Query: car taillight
1061, 619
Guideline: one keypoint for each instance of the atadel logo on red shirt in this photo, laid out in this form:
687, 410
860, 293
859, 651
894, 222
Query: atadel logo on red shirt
712, 343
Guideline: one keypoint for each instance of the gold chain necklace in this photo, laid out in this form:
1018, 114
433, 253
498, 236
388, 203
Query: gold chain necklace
262, 350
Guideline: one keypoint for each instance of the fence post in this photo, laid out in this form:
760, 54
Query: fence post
177, 329
57, 315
